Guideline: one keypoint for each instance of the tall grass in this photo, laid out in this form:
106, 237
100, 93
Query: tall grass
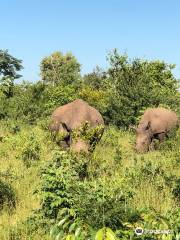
113, 160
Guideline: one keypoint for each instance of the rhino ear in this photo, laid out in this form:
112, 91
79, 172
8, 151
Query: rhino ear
66, 127
148, 126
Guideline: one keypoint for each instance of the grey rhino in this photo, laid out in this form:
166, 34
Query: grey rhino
72, 116
156, 123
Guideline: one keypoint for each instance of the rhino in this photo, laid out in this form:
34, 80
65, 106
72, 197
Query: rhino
156, 123
72, 117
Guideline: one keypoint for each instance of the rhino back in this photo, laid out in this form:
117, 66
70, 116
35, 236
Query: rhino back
95, 117
161, 119
76, 113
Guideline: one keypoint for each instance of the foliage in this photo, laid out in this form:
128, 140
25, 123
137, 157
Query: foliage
56, 96
90, 135
96, 80
97, 98
31, 151
176, 190
27, 102
94, 89
106, 234
137, 84
68, 226
25, 105
63, 188
3, 106
78, 231
114, 187
111, 191
9, 66
121, 93
7, 195
58, 68
32, 102
156, 222
57, 178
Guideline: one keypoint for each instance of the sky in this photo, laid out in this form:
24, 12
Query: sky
33, 29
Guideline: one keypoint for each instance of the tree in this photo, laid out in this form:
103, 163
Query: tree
9, 66
60, 69
93, 89
138, 84
96, 79
27, 102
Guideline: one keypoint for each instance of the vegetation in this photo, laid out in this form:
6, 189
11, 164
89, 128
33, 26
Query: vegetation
9, 66
48, 193
59, 68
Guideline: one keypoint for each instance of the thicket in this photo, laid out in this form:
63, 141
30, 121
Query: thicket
120, 92
7, 196
108, 193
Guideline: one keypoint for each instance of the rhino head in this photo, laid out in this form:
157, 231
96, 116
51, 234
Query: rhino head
143, 137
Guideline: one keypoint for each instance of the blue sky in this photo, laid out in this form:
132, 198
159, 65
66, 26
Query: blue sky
33, 29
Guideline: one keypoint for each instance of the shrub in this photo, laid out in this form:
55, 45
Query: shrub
176, 190
7, 195
88, 134
57, 177
31, 151
136, 85
56, 96
94, 203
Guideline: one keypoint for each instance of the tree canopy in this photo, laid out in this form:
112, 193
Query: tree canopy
9, 66
137, 84
121, 92
60, 69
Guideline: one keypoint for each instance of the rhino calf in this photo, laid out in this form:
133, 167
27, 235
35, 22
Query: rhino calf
156, 123
71, 117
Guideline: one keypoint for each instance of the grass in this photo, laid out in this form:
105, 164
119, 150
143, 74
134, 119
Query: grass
23, 180
114, 159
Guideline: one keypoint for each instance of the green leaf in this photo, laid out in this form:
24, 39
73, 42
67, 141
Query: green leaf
99, 234
77, 232
70, 237
72, 227
60, 235
62, 222
54, 231
110, 234
105, 234
66, 224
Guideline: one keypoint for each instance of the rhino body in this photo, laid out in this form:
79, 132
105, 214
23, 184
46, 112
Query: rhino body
72, 116
155, 123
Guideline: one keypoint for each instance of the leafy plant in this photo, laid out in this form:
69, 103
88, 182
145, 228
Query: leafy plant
105, 234
7, 196
58, 68
88, 134
138, 84
31, 151
176, 189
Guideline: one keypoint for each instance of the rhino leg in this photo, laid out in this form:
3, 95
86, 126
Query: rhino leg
152, 146
68, 140
161, 136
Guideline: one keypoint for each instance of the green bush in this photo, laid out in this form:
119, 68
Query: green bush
31, 151
109, 192
137, 84
7, 196
176, 190
94, 203
57, 179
